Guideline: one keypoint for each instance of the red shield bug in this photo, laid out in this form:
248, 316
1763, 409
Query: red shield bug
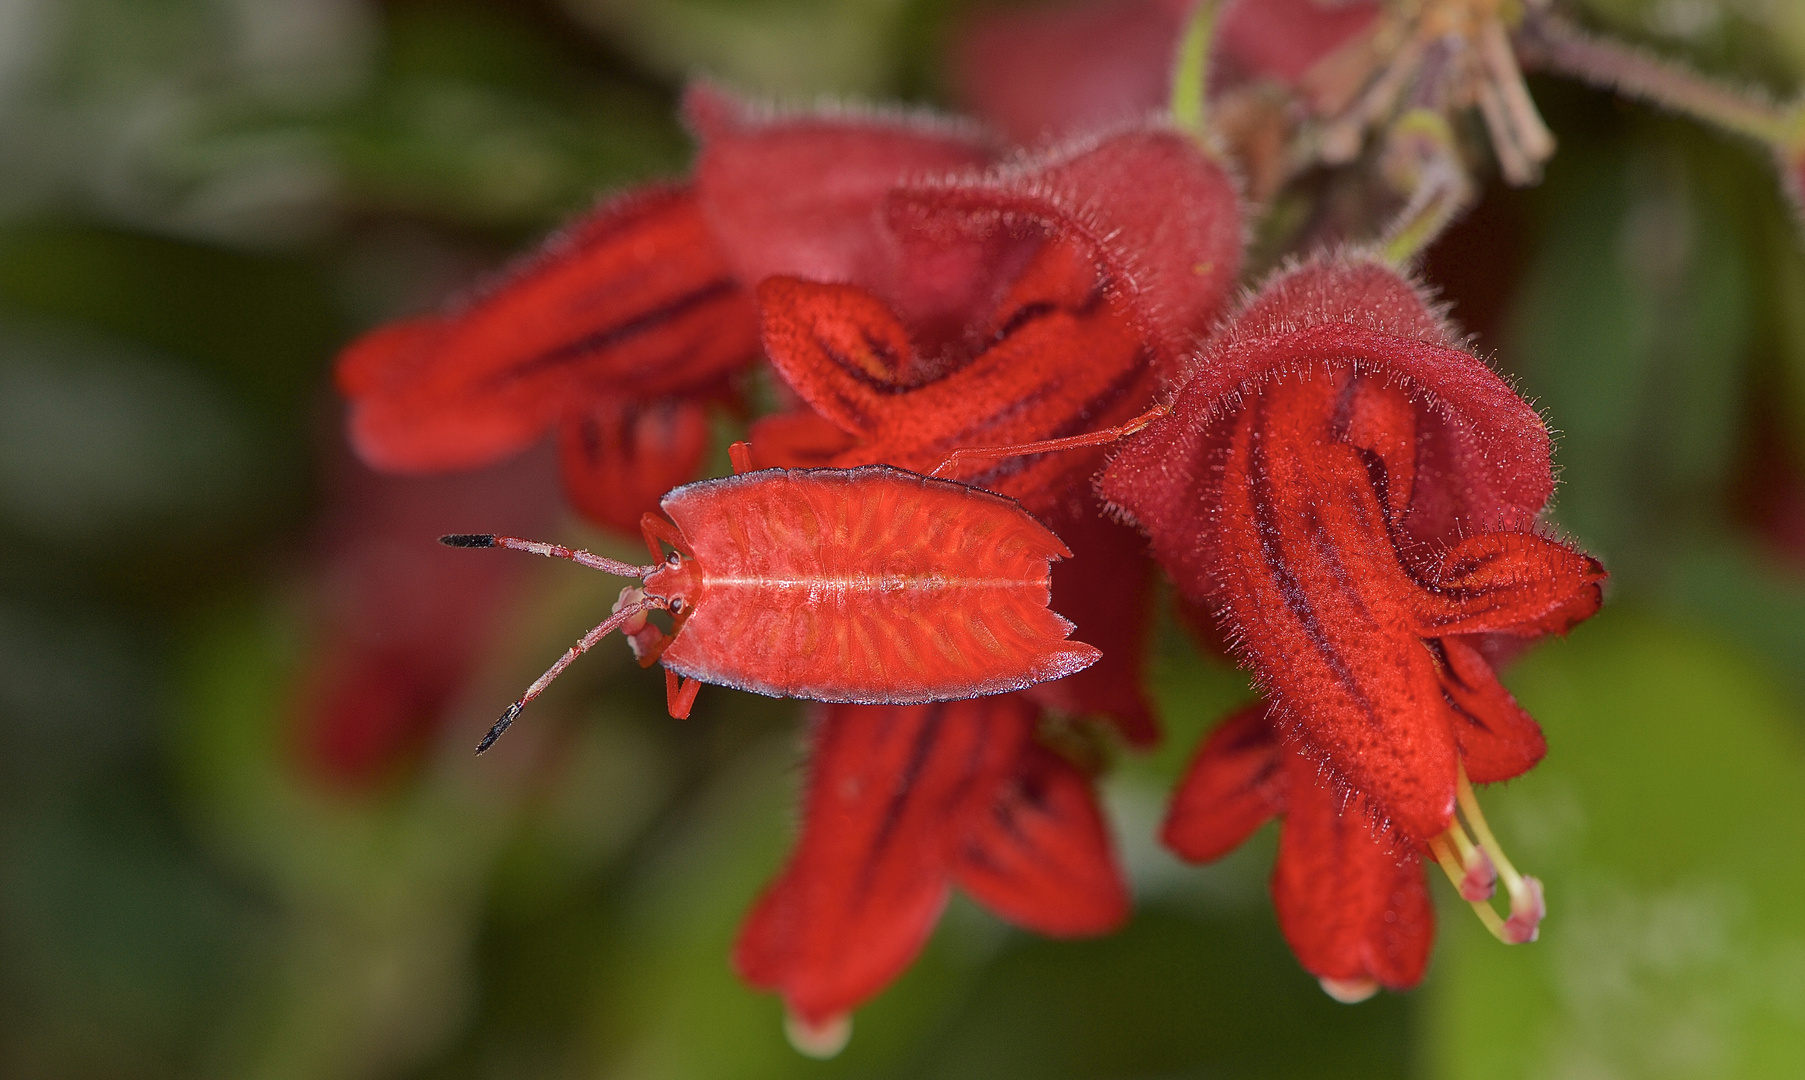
872, 585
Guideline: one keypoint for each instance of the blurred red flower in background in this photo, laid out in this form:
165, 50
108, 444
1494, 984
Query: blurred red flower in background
403, 622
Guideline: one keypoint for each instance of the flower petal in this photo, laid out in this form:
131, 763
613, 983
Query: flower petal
620, 457
1156, 215
1350, 908
799, 439
799, 193
1483, 460
1038, 853
634, 301
1510, 582
1106, 590
1235, 784
867, 880
1498, 739
1323, 610
1052, 371
1041, 72
840, 348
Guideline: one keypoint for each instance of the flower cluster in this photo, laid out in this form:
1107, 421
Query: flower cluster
1321, 465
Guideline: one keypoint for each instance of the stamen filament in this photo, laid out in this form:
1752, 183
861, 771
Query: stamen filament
1527, 906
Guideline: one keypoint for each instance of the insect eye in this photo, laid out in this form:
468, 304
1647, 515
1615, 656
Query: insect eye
675, 559
677, 606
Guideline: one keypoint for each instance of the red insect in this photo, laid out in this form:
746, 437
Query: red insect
872, 585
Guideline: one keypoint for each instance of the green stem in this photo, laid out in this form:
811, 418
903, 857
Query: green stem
1191, 75
1423, 145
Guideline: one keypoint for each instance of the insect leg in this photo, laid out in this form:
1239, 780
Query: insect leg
680, 694
550, 551
1045, 446
656, 528
740, 453
582, 646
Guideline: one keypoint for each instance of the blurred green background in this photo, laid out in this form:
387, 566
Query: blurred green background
211, 866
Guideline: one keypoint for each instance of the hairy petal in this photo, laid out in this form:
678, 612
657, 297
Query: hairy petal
1510, 582
634, 301
1043, 72
1038, 852
1350, 908
1106, 590
1498, 739
1483, 459
799, 193
1054, 371
867, 880
1155, 213
620, 457
1323, 609
1235, 784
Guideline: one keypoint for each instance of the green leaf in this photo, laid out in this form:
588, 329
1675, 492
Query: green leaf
1667, 824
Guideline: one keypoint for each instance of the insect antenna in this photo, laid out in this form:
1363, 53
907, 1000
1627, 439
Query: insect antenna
588, 640
1047, 446
550, 551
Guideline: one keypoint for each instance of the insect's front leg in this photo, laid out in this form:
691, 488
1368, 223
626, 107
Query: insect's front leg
679, 694
647, 640
740, 454
655, 528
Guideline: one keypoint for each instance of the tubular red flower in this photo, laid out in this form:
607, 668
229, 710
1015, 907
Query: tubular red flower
634, 303
903, 802
618, 329
1357, 913
1355, 496
1084, 277
1081, 277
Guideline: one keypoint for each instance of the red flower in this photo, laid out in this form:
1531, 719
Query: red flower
401, 623
1037, 301
1356, 913
904, 802
1354, 494
620, 329
1040, 300
1041, 73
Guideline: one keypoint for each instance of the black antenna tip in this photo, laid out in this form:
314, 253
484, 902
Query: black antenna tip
500, 725
468, 540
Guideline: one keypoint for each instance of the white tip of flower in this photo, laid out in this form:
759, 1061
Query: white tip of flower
1349, 991
821, 1040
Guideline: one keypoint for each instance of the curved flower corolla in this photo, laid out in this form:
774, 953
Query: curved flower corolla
1081, 278
1354, 494
620, 329
903, 803
1044, 299
1356, 912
